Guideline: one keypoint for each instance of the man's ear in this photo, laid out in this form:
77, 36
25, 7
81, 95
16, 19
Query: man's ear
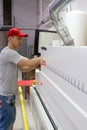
9, 38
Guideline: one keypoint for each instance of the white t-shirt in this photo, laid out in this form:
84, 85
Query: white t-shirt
8, 71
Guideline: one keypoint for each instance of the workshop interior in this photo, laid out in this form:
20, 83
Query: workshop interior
53, 96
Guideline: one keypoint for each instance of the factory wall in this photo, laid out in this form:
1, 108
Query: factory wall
25, 14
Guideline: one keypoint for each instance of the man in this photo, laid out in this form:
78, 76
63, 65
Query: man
10, 61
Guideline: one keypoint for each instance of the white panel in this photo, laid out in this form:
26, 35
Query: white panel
68, 61
41, 119
64, 86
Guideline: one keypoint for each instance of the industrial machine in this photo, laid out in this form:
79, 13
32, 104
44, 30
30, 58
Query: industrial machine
62, 91
58, 100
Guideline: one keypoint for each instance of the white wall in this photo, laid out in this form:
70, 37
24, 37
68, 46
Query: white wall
1, 13
25, 12
1, 7
80, 5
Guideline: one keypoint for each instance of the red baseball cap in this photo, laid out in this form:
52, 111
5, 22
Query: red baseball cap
16, 32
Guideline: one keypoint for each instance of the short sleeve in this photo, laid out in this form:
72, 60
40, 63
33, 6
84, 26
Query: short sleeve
13, 56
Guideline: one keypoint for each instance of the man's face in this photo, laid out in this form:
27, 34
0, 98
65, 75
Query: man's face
16, 42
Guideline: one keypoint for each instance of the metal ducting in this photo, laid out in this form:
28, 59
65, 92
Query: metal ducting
55, 9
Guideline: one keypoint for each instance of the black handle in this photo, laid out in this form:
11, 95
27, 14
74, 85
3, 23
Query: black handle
43, 48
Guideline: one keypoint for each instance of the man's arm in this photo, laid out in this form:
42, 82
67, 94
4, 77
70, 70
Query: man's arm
25, 69
27, 65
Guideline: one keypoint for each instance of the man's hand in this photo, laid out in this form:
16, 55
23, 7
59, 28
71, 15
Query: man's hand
43, 62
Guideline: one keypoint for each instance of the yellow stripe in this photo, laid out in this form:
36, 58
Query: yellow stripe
23, 110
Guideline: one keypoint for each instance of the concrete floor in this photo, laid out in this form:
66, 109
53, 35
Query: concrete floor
18, 125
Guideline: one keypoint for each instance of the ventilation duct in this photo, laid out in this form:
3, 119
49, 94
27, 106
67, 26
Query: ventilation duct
55, 9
